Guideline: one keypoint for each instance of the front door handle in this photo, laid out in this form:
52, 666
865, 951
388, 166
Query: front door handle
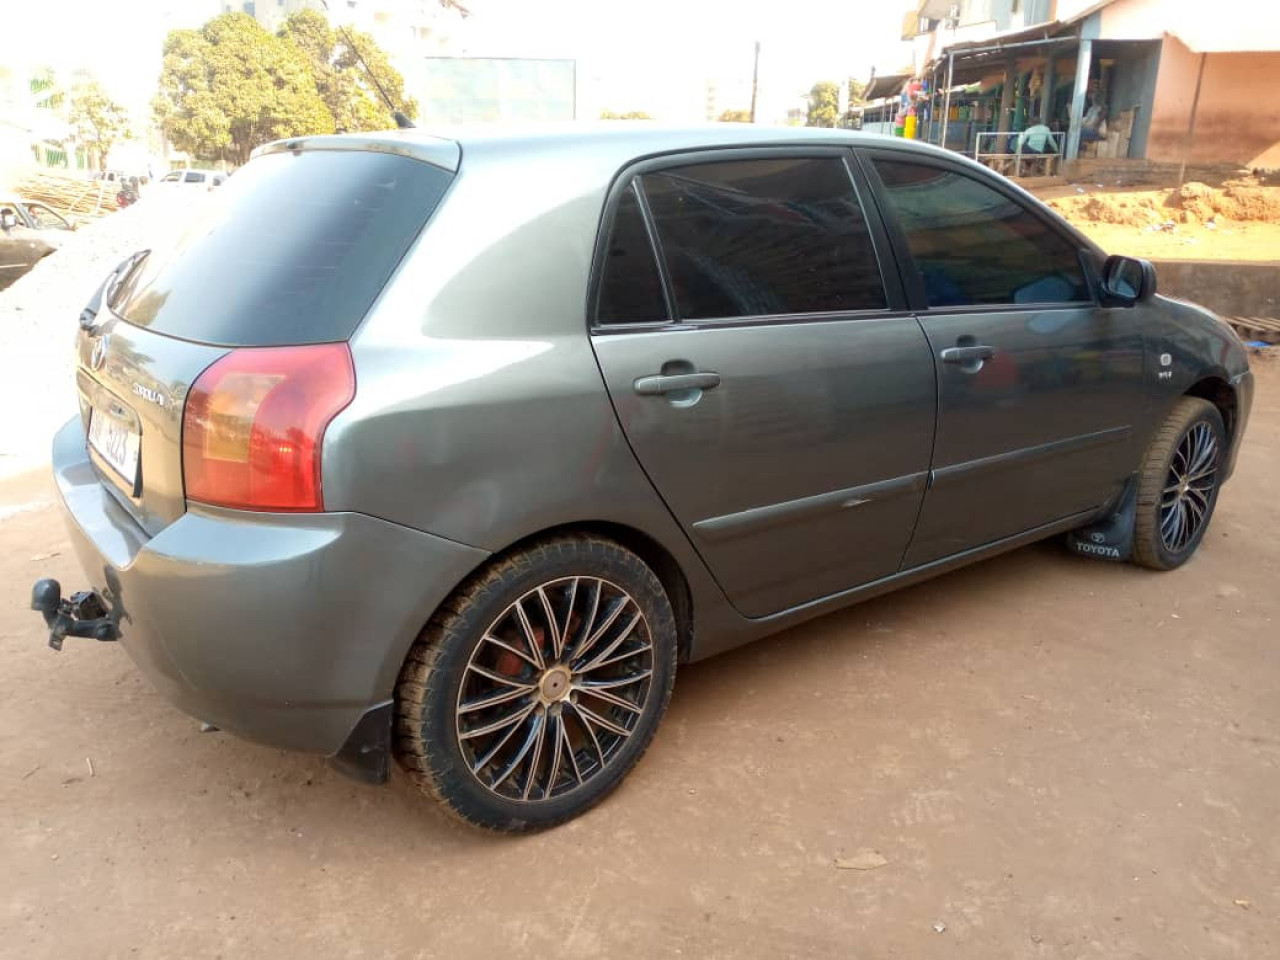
967, 354
660, 384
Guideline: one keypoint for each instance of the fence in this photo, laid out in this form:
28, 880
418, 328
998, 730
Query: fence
1012, 157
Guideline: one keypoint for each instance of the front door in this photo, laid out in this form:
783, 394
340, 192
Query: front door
780, 405
1037, 385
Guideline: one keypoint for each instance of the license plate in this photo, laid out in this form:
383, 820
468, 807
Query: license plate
116, 443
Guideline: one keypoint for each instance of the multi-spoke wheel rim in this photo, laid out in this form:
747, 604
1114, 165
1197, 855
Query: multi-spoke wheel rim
554, 689
1188, 488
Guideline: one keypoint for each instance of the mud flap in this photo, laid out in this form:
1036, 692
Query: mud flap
1111, 538
366, 756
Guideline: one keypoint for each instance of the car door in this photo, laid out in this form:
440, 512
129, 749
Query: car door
768, 379
1038, 386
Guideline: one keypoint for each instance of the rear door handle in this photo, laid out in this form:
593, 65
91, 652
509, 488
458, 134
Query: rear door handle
967, 354
657, 385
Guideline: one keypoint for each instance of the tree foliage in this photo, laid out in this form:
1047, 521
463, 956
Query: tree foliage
734, 116
345, 64
824, 105
46, 91
98, 121
630, 115
232, 85
856, 90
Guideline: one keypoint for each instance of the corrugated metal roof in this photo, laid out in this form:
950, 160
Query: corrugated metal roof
887, 85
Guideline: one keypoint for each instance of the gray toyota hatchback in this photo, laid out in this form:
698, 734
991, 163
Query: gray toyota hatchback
453, 449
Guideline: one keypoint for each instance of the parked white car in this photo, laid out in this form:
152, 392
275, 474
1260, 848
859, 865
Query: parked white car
198, 178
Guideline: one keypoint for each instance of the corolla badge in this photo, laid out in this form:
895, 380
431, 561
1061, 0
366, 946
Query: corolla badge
99, 351
146, 393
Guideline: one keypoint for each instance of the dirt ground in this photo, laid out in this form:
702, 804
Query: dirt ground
1237, 219
1055, 757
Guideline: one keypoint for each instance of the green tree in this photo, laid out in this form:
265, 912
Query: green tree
46, 92
98, 121
824, 105
734, 116
629, 115
856, 90
345, 64
231, 86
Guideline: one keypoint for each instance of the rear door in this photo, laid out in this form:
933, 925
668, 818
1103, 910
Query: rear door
768, 378
1037, 385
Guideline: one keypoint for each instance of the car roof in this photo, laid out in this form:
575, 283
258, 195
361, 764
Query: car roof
612, 141
591, 154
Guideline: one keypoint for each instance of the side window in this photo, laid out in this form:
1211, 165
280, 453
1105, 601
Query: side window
630, 286
46, 218
763, 237
195, 177
171, 177
974, 245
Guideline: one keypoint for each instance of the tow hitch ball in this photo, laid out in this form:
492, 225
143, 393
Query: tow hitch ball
84, 615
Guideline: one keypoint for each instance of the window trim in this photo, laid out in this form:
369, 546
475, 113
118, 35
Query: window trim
882, 248
913, 280
655, 248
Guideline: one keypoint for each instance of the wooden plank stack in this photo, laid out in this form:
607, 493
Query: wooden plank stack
73, 197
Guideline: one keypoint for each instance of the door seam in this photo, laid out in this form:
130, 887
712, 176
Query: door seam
933, 441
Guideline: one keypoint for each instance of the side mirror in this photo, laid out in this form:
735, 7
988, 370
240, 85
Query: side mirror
1127, 280
7, 221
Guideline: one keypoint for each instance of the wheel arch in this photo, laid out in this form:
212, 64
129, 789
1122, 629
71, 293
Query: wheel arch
1218, 390
656, 556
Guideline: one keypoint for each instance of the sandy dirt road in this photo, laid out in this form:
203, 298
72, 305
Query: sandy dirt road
1055, 757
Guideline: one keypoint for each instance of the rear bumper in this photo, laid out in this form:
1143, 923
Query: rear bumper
283, 629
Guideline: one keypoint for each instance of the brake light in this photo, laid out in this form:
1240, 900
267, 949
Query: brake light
254, 422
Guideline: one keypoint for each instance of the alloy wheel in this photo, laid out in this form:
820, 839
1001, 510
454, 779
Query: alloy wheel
554, 689
1188, 490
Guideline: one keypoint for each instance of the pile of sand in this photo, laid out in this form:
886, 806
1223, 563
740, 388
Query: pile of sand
1194, 203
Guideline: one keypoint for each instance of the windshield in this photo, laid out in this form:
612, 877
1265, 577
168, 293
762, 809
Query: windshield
293, 249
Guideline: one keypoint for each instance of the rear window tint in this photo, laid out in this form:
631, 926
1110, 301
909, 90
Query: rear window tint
764, 237
294, 250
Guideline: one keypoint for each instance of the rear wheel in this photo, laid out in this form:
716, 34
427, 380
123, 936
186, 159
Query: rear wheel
538, 686
1178, 486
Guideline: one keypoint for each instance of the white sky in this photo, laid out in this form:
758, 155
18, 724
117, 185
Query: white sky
633, 54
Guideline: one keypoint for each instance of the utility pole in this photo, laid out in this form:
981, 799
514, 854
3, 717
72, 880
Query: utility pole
755, 82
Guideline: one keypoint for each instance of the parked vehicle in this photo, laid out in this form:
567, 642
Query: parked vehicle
193, 178
455, 449
29, 232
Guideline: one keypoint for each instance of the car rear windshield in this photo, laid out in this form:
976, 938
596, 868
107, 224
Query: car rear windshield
292, 249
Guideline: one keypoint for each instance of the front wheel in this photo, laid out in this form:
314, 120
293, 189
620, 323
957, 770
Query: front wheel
1178, 485
538, 685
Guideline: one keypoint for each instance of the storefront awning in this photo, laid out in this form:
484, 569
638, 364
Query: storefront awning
888, 85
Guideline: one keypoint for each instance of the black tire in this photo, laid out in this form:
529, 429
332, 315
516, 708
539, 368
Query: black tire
1161, 486
551, 585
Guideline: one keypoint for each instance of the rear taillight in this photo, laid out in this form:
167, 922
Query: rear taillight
254, 422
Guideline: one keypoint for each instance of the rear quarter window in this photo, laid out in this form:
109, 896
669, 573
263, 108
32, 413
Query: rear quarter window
293, 249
